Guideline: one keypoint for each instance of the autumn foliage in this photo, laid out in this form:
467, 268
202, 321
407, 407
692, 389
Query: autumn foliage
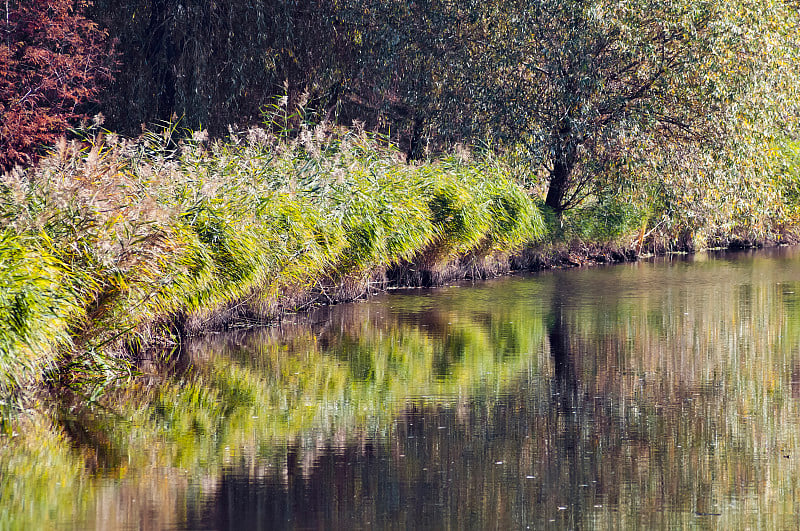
52, 63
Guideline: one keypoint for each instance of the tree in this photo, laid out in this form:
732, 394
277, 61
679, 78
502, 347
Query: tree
52, 62
585, 84
589, 88
216, 64
398, 69
577, 78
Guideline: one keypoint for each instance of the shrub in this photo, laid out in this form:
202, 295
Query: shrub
52, 63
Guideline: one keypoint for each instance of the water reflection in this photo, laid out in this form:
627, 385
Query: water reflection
645, 395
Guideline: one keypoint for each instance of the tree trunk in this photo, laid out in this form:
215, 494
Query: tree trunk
565, 376
160, 53
413, 152
559, 185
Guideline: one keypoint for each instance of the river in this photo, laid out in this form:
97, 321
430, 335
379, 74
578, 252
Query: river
663, 393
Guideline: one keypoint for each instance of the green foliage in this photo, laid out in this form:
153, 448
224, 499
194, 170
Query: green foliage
586, 93
609, 219
458, 214
788, 176
113, 241
35, 309
384, 216
582, 84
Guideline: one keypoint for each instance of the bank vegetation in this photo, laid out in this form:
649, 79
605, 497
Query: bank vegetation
112, 246
378, 144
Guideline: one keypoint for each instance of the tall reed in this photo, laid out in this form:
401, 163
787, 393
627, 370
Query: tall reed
111, 245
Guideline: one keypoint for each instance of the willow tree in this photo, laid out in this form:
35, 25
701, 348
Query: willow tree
583, 85
408, 63
390, 63
218, 63
581, 82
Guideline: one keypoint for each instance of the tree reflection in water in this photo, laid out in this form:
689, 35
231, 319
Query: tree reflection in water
649, 395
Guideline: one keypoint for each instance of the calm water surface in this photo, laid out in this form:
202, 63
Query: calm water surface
659, 394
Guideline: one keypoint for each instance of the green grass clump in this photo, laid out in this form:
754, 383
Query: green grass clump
35, 309
112, 242
606, 218
461, 219
384, 217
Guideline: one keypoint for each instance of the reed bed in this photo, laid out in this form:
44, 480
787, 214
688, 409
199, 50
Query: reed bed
111, 246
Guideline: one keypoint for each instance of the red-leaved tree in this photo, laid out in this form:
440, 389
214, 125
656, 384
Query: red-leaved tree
52, 63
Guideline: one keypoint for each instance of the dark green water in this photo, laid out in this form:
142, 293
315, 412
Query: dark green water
652, 395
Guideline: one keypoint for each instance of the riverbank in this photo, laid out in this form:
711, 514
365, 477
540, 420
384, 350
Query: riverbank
112, 246
617, 348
